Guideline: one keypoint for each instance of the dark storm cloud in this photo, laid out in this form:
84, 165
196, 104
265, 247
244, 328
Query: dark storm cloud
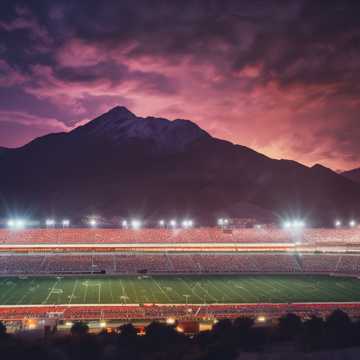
252, 71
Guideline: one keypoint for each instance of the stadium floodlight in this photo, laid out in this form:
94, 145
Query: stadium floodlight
50, 222
16, 223
20, 223
296, 223
173, 223
226, 221
287, 224
220, 222
124, 224
187, 223
338, 223
93, 222
161, 222
352, 223
11, 223
65, 223
135, 224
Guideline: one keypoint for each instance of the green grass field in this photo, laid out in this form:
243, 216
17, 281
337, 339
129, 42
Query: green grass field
177, 289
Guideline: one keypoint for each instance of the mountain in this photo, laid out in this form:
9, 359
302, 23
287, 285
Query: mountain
123, 165
353, 175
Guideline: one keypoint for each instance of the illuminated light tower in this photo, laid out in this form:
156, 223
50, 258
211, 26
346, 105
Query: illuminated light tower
11, 223
50, 222
352, 223
338, 223
187, 224
173, 223
301, 223
287, 225
135, 224
20, 223
93, 222
65, 223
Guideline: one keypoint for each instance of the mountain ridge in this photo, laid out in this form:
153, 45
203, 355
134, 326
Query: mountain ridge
122, 165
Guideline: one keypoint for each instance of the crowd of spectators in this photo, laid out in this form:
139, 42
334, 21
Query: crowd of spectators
178, 235
132, 263
145, 235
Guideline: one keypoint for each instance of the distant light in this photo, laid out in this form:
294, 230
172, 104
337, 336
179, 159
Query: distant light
161, 222
102, 324
287, 224
16, 223
261, 319
170, 321
220, 222
257, 226
294, 224
352, 223
173, 223
301, 224
135, 224
124, 224
93, 222
226, 221
11, 223
69, 323
179, 329
338, 223
50, 222
187, 224
65, 222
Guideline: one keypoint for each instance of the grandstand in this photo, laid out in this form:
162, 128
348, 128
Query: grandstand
98, 273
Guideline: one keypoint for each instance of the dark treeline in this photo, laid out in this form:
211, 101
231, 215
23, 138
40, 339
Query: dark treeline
224, 341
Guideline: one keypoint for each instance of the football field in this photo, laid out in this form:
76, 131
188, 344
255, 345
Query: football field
177, 289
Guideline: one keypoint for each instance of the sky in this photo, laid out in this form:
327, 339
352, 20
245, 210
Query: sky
282, 77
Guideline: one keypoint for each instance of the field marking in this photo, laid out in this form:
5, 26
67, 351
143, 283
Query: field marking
206, 292
218, 288
110, 289
7, 291
191, 289
124, 295
73, 291
162, 290
51, 290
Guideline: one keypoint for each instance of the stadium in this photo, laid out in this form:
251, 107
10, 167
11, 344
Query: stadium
63, 274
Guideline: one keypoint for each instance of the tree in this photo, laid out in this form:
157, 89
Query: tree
79, 328
2, 329
313, 333
338, 329
128, 331
289, 326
